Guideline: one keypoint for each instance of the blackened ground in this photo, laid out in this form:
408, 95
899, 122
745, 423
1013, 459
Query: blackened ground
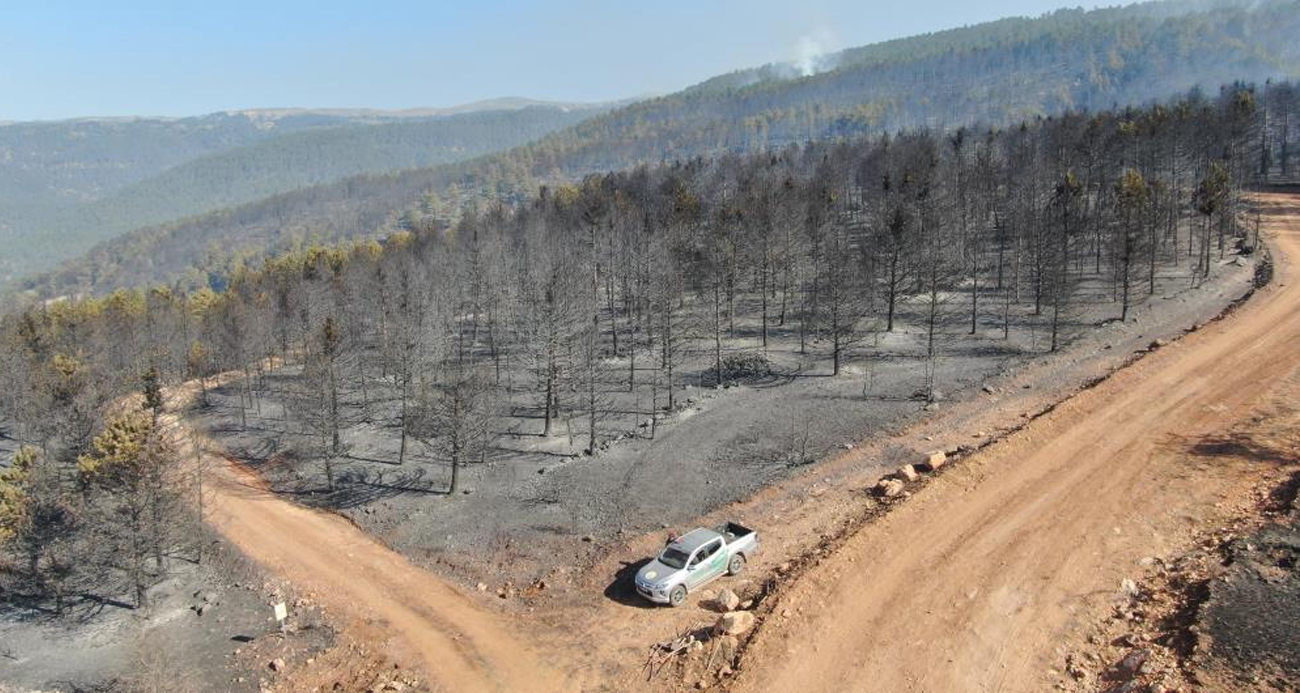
532, 503
1253, 613
205, 630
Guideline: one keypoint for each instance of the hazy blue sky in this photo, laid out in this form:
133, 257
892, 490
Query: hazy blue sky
177, 57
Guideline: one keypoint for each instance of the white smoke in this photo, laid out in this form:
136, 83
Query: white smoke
807, 53
813, 55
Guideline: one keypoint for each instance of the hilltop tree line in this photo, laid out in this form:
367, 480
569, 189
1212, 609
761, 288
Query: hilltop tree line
999, 73
613, 283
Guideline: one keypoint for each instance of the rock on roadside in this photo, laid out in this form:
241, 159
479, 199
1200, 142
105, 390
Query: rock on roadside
734, 623
889, 488
933, 461
727, 600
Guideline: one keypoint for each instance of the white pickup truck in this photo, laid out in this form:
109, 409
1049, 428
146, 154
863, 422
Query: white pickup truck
694, 560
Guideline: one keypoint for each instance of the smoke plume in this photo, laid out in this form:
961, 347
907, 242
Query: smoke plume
812, 54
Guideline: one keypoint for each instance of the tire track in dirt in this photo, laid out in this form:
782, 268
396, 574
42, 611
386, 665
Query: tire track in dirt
970, 584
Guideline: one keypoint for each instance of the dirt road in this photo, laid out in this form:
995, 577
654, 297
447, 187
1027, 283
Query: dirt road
461, 646
972, 583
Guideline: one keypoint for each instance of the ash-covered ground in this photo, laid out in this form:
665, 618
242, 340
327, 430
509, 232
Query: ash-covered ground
540, 502
1252, 614
200, 632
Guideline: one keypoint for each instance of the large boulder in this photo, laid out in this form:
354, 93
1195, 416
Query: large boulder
734, 623
906, 473
727, 600
933, 461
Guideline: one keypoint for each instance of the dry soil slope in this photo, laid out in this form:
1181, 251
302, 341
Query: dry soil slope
972, 583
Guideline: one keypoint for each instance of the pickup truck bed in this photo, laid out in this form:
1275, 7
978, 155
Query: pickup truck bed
732, 531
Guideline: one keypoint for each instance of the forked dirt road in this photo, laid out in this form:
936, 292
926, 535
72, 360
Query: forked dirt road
462, 647
972, 583
966, 586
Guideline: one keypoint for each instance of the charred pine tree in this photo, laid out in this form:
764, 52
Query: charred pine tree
452, 417
317, 402
1065, 205
1133, 197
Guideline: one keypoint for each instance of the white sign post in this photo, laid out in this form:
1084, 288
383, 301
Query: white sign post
281, 613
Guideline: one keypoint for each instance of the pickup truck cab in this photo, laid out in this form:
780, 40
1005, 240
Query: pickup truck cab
694, 560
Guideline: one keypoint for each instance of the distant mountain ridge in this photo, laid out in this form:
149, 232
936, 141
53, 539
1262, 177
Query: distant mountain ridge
271, 113
1000, 72
66, 185
505, 103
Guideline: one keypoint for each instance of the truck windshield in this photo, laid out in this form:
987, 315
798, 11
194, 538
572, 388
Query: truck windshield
674, 558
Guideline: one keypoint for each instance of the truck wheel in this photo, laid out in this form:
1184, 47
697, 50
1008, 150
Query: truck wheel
736, 565
677, 596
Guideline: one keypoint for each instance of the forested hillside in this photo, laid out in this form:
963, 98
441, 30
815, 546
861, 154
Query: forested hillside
50, 169
65, 186
85, 158
1002, 72
543, 311
319, 156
